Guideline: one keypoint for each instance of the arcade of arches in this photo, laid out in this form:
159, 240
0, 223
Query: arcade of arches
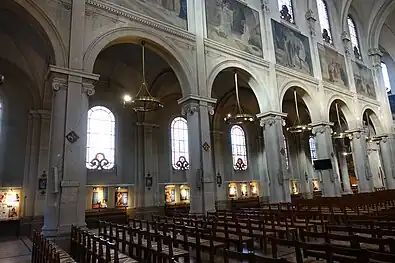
313, 79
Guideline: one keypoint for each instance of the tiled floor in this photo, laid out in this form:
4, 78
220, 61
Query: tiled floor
14, 250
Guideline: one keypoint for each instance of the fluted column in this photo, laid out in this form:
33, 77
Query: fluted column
201, 177
361, 162
272, 123
329, 178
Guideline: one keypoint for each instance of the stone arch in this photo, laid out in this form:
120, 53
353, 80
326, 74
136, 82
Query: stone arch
155, 41
378, 21
54, 37
348, 115
305, 95
374, 118
254, 83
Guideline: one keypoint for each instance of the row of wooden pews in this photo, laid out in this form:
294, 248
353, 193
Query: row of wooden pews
44, 251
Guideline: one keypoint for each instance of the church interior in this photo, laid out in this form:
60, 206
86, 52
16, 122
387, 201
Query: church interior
197, 130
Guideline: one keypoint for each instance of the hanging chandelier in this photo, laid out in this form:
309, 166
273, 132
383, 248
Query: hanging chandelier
298, 126
144, 101
341, 134
239, 117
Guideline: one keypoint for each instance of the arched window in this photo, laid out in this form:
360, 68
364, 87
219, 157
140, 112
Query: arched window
354, 37
179, 143
386, 77
100, 152
313, 149
286, 10
286, 152
239, 149
324, 21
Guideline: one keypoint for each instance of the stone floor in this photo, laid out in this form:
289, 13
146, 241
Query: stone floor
14, 250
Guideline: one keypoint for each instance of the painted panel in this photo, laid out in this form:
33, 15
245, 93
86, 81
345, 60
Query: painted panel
234, 24
333, 66
173, 12
292, 48
363, 80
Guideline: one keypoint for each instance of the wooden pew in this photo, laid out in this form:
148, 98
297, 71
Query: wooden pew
44, 251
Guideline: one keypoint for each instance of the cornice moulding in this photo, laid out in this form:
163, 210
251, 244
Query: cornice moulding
290, 72
73, 72
197, 98
245, 56
332, 87
142, 19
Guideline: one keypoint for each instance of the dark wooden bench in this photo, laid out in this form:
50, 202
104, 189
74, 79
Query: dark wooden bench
45, 251
115, 215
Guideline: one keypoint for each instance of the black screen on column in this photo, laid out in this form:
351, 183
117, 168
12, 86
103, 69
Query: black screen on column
322, 164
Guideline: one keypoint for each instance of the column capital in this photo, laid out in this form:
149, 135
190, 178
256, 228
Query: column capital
356, 133
270, 118
146, 124
265, 6
192, 103
375, 55
43, 114
320, 127
346, 43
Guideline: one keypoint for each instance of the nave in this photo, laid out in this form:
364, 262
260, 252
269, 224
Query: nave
355, 228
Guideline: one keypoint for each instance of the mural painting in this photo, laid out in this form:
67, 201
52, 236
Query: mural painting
173, 12
363, 80
333, 66
292, 48
234, 24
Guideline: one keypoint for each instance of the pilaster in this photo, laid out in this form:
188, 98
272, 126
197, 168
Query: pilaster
272, 123
387, 149
361, 162
329, 178
201, 176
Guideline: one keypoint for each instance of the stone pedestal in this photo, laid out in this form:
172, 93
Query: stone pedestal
361, 162
330, 185
272, 123
201, 175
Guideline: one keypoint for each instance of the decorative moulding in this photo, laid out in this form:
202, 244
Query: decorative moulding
245, 56
368, 100
142, 19
197, 98
73, 72
284, 71
337, 89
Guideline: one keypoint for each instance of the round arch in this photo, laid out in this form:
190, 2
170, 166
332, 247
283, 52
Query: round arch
373, 117
306, 97
165, 49
344, 109
255, 84
54, 37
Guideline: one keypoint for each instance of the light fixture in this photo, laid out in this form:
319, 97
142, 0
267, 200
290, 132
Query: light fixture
219, 179
127, 98
148, 181
298, 127
239, 117
144, 101
1, 79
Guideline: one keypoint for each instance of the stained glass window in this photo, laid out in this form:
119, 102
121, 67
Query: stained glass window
239, 149
100, 152
354, 37
386, 77
313, 149
286, 152
324, 21
179, 143
286, 10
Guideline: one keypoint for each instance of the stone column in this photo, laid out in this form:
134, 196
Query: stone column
201, 177
330, 178
66, 186
272, 123
361, 162
387, 156
221, 191
344, 171
264, 189
32, 154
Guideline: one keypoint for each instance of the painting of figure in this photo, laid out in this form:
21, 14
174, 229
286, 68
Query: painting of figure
173, 12
234, 24
363, 80
292, 48
333, 66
